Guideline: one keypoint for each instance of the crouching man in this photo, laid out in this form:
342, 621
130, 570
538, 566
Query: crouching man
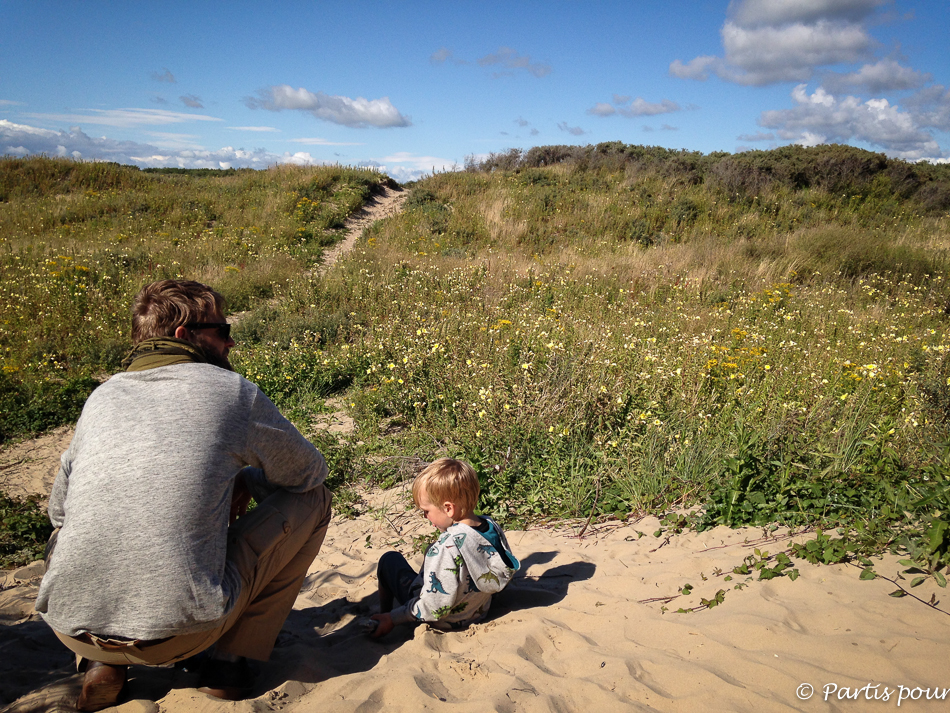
155, 559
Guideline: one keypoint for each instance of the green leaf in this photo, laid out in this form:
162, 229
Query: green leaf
936, 534
941, 580
898, 593
793, 575
918, 581
868, 573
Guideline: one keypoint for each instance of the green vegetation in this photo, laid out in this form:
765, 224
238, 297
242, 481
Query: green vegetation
600, 330
77, 241
24, 530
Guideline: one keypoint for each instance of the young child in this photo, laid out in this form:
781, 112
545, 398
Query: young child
466, 565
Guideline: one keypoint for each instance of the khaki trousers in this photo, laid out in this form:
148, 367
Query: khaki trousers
272, 548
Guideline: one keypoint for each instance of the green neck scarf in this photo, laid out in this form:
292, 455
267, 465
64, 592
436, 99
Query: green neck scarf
163, 351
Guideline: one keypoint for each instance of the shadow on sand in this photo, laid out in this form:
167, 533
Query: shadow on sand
539, 590
312, 647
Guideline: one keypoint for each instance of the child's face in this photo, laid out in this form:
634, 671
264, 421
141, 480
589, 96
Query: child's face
434, 513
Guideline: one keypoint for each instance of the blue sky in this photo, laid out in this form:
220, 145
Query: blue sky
416, 86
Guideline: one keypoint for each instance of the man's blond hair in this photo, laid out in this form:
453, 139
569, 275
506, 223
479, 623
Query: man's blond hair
161, 307
448, 480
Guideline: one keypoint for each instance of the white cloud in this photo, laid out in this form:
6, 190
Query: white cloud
227, 157
765, 55
511, 61
882, 76
638, 107
752, 13
931, 107
165, 76
821, 118
573, 130
407, 159
443, 55
262, 129
23, 140
8, 128
124, 117
602, 109
325, 142
772, 41
697, 68
404, 166
820, 97
177, 142
641, 107
357, 112
440, 55
769, 41
10, 102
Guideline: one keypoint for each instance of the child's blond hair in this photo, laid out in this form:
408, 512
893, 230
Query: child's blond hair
448, 480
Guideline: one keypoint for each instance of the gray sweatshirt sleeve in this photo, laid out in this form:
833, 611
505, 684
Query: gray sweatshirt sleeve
285, 458
58, 495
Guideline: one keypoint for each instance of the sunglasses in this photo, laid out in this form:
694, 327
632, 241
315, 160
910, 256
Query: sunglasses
224, 329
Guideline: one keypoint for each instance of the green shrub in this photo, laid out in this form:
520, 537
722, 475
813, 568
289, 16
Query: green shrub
33, 406
24, 531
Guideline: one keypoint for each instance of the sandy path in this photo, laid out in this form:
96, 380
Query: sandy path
385, 205
574, 632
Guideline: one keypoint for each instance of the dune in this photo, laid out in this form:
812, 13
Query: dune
590, 622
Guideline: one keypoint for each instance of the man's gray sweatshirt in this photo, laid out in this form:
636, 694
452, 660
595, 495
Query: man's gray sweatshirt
143, 498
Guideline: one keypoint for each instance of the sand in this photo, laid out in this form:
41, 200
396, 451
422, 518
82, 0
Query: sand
586, 624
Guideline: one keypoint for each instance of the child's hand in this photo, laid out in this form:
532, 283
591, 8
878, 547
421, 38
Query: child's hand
385, 624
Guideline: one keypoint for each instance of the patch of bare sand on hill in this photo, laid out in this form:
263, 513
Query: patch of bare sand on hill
29, 467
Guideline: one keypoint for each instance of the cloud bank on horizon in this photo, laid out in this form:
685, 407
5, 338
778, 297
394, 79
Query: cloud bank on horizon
788, 72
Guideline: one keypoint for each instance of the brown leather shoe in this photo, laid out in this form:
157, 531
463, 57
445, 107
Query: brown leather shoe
101, 686
229, 680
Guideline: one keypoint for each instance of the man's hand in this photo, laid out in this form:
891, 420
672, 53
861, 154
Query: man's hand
240, 498
385, 624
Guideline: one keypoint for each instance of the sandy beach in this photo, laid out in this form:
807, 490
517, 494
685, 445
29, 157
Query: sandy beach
589, 622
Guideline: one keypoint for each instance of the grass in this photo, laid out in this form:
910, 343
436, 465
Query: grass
78, 240
601, 331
